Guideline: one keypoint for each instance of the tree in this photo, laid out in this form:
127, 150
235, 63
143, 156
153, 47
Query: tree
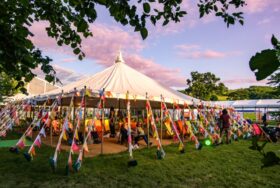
205, 86
239, 94
274, 80
7, 86
266, 62
69, 22
253, 92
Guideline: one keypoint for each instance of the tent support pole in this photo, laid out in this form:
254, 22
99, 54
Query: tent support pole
74, 102
102, 124
148, 124
183, 120
51, 128
84, 118
161, 116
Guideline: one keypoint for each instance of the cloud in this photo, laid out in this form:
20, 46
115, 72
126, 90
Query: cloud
164, 75
64, 75
237, 83
103, 48
193, 51
257, 6
69, 60
264, 21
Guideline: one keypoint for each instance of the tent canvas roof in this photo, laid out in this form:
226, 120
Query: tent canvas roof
120, 78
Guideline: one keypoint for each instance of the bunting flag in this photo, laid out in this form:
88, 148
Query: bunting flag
88, 93
29, 133
78, 163
82, 105
59, 99
74, 146
43, 132
53, 160
85, 146
21, 143
102, 94
3, 134
38, 124
181, 147
17, 121
64, 135
109, 94
193, 138
37, 141
160, 152
181, 144
132, 161
32, 152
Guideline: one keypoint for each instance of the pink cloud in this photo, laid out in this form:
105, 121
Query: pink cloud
68, 60
243, 82
164, 75
255, 6
64, 75
103, 47
193, 51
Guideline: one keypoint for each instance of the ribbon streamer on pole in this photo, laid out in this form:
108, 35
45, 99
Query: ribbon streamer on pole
160, 151
132, 161
167, 114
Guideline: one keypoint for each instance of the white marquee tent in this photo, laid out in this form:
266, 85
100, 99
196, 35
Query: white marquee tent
261, 103
120, 79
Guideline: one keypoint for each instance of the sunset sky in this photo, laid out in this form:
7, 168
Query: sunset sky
170, 53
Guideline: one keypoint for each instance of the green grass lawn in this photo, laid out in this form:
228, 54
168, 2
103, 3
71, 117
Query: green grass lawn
252, 116
231, 165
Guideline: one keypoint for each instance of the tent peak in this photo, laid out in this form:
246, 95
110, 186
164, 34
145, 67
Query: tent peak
119, 58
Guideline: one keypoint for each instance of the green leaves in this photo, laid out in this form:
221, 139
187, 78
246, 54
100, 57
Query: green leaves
267, 61
223, 9
146, 7
144, 33
76, 51
274, 41
205, 86
69, 22
264, 63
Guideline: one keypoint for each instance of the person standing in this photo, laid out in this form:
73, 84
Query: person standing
225, 125
264, 119
112, 122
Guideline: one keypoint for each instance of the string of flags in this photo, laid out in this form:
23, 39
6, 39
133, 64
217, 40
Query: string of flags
204, 124
160, 152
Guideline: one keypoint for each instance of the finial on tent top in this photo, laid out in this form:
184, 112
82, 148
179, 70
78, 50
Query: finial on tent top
119, 58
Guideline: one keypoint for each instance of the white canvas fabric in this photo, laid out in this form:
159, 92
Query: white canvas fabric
121, 78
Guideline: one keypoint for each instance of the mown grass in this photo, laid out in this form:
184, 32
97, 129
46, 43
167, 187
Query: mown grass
231, 165
252, 116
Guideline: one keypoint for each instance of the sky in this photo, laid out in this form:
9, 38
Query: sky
171, 53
